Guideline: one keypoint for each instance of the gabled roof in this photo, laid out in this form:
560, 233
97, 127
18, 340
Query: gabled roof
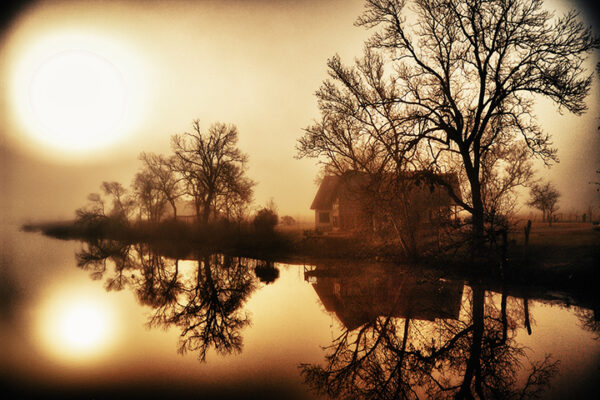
326, 193
354, 181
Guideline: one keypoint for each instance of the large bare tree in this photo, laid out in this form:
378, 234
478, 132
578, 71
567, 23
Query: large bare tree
213, 169
450, 80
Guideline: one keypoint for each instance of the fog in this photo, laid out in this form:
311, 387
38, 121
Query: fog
255, 64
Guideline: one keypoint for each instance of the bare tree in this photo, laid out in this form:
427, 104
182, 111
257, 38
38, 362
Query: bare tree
151, 199
114, 202
450, 79
122, 202
235, 194
544, 197
503, 169
213, 169
165, 177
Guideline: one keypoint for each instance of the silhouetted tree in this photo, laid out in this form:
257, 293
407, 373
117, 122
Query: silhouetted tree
113, 206
213, 169
165, 179
150, 198
544, 197
451, 80
235, 196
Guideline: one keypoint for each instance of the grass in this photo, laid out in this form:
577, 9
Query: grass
563, 245
576, 245
562, 258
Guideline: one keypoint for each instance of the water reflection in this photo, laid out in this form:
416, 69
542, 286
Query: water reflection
589, 321
359, 298
204, 298
407, 337
266, 272
402, 333
77, 325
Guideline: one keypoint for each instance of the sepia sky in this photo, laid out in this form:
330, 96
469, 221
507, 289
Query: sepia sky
255, 64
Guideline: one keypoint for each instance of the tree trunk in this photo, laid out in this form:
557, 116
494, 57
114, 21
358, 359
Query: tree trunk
174, 207
197, 207
477, 222
205, 212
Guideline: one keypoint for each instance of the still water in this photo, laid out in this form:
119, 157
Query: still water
105, 320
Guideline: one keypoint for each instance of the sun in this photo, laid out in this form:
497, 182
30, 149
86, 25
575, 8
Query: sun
78, 100
75, 93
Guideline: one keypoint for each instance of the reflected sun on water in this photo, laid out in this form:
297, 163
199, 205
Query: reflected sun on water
77, 325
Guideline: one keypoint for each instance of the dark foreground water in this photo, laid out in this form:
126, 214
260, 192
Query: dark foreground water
104, 320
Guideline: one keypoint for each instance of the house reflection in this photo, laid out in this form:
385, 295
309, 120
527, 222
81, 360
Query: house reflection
408, 336
359, 298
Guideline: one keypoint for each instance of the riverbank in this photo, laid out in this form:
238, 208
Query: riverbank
562, 247
559, 261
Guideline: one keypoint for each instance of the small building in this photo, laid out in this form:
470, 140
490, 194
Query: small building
351, 201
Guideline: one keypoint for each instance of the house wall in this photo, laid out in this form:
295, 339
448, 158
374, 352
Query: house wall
320, 222
351, 212
351, 208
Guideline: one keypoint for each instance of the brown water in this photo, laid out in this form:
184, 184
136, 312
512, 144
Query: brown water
206, 326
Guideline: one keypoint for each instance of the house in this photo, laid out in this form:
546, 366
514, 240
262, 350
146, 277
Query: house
353, 201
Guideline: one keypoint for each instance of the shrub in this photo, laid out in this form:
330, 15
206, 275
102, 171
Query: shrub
265, 220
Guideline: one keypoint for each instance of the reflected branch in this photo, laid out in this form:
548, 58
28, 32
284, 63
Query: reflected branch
397, 355
203, 298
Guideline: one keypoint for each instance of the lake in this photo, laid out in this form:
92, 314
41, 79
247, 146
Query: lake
105, 320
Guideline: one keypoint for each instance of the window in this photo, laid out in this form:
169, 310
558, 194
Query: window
324, 217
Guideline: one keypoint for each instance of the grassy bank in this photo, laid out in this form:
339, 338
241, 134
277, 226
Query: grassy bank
240, 238
562, 246
284, 243
560, 262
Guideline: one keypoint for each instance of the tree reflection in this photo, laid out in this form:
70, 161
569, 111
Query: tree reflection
96, 255
266, 272
203, 298
407, 353
588, 321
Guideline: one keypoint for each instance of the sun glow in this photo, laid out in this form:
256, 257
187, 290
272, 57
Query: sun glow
76, 93
78, 99
77, 325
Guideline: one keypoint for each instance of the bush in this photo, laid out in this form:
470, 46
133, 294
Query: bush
265, 220
287, 220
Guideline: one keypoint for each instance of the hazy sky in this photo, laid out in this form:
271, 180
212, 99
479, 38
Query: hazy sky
255, 64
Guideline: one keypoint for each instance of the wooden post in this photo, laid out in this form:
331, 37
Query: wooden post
527, 230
